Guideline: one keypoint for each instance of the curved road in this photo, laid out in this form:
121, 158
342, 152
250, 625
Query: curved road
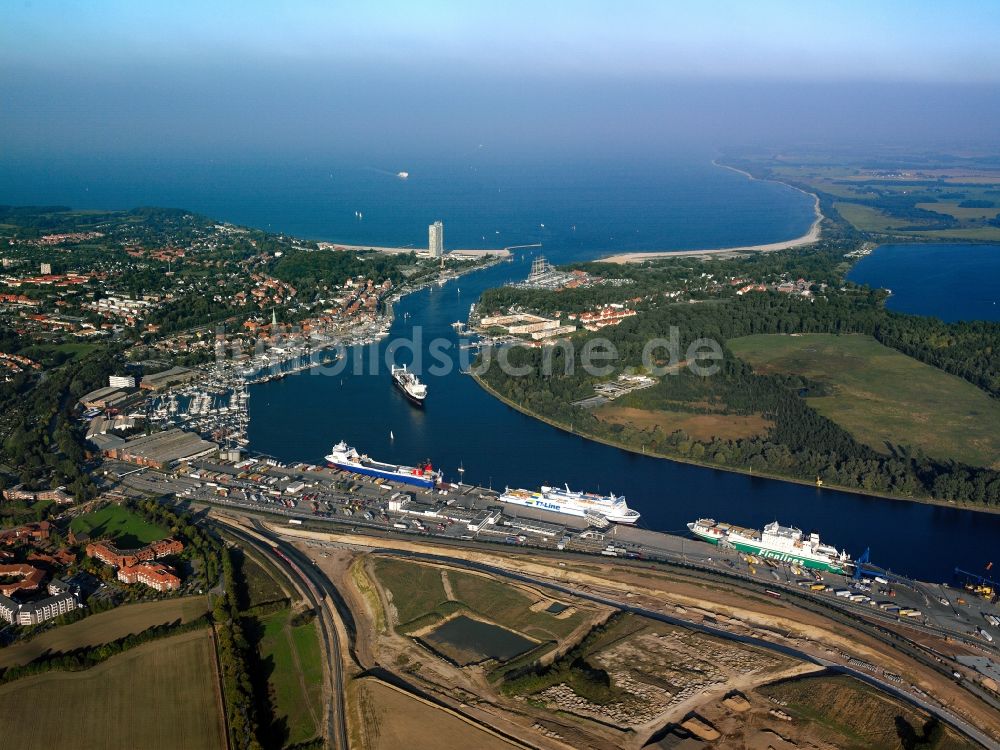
301, 568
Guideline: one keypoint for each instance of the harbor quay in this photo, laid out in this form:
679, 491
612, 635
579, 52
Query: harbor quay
323, 498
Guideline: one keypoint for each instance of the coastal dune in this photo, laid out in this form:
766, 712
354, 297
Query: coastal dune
808, 238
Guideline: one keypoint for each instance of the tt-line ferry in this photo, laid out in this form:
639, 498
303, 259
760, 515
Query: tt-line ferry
567, 502
343, 456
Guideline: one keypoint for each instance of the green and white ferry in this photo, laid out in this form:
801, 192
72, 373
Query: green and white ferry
777, 542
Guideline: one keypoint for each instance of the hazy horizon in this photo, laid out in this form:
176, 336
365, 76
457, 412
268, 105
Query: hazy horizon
312, 80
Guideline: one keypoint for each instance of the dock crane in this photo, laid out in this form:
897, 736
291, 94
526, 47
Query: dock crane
979, 584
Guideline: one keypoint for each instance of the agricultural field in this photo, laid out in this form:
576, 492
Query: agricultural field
849, 714
104, 627
918, 198
392, 719
128, 530
163, 694
883, 397
295, 682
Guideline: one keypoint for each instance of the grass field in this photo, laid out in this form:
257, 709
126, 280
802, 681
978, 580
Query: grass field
951, 208
864, 218
259, 585
104, 628
159, 695
884, 397
851, 715
126, 528
296, 679
698, 426
419, 595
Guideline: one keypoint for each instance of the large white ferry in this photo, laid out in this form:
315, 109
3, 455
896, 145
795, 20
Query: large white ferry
347, 458
785, 543
409, 384
581, 504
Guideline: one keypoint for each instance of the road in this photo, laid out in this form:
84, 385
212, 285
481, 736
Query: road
315, 585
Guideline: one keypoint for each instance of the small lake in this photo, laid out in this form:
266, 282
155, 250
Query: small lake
467, 641
951, 281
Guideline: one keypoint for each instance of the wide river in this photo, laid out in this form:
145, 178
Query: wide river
579, 210
301, 416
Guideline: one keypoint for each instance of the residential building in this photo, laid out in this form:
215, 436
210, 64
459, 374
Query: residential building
33, 613
435, 234
156, 576
108, 554
121, 381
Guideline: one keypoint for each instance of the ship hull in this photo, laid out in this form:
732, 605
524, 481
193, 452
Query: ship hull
415, 480
409, 396
566, 510
772, 554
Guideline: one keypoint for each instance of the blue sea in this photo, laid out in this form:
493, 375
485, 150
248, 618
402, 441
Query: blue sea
579, 210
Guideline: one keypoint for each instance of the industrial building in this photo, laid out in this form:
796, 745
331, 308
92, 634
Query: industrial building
160, 380
161, 449
102, 398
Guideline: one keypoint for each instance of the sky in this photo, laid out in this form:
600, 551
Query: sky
130, 76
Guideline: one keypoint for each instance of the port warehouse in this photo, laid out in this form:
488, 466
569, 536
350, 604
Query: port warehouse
323, 499
161, 449
117, 390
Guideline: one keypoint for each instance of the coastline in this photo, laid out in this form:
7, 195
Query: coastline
730, 469
458, 253
811, 236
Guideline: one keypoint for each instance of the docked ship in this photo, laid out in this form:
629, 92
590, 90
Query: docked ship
343, 456
409, 384
777, 542
581, 504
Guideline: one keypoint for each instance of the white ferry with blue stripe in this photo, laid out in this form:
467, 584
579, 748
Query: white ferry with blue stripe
346, 458
570, 503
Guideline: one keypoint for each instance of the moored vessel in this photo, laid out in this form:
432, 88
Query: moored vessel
347, 458
570, 503
777, 542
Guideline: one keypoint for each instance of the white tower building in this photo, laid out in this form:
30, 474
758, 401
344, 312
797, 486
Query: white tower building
435, 233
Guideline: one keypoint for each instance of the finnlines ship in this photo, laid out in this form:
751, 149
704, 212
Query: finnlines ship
583, 504
347, 458
785, 543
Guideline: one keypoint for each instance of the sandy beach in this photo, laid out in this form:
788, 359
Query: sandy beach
806, 239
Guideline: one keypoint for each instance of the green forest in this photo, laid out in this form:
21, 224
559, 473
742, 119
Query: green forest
800, 443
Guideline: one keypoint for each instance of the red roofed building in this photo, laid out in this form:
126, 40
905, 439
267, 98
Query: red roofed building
29, 578
108, 554
156, 576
